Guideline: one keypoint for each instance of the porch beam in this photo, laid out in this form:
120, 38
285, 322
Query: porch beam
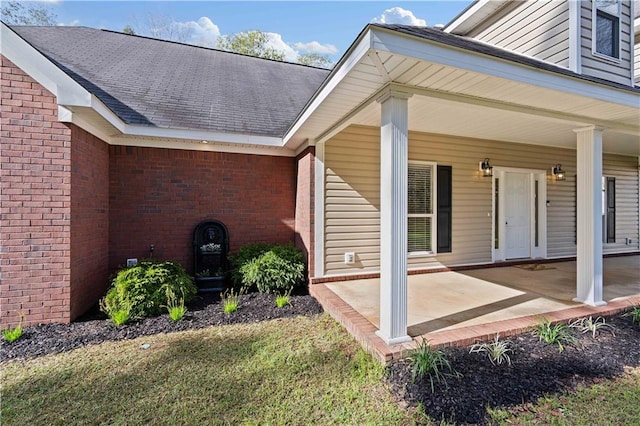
558, 116
589, 216
394, 156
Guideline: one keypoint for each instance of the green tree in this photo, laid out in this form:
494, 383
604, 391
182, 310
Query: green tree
315, 60
252, 43
17, 13
128, 30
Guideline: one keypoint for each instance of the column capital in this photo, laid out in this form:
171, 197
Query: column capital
591, 128
389, 92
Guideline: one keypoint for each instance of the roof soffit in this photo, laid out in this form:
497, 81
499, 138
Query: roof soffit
434, 70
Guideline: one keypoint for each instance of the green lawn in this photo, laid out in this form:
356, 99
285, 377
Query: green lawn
305, 370
294, 371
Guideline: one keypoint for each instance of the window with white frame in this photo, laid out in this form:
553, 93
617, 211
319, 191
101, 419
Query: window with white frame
421, 201
607, 28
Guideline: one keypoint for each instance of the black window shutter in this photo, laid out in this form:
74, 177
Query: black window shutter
444, 209
611, 210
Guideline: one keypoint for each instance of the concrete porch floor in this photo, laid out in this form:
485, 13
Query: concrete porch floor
459, 308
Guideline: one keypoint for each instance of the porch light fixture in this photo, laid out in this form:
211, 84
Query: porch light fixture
486, 168
557, 172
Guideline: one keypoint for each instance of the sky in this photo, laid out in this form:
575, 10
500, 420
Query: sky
296, 27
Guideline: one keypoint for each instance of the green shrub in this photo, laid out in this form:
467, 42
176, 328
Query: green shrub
245, 255
280, 269
145, 288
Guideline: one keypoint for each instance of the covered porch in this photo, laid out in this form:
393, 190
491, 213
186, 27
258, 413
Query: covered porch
461, 307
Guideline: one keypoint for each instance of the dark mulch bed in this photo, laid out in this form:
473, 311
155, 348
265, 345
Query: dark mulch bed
204, 311
537, 369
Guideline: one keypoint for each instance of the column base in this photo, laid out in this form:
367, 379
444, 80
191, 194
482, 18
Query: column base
589, 302
394, 340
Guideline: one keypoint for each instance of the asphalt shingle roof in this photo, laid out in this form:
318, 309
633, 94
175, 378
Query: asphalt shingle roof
170, 85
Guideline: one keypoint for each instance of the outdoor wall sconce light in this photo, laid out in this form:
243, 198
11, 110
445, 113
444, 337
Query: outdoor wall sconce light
486, 168
557, 172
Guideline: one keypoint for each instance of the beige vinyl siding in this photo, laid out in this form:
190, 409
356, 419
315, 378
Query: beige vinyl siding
352, 206
596, 66
536, 28
352, 203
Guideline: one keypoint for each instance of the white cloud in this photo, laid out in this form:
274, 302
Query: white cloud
73, 23
398, 15
315, 47
276, 41
202, 32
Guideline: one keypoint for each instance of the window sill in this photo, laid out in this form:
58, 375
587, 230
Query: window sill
416, 254
606, 58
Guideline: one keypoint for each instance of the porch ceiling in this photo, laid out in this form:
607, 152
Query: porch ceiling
465, 93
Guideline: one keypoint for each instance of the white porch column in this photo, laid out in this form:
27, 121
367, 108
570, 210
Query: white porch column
394, 155
589, 216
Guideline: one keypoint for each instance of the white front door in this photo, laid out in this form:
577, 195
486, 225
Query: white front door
517, 215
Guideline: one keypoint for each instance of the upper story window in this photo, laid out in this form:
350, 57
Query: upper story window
607, 28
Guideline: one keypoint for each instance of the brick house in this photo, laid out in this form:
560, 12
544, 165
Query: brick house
113, 142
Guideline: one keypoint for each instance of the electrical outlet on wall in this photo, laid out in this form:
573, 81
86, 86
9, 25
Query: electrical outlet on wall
350, 258
132, 262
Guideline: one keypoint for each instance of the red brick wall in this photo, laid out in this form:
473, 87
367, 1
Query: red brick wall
157, 196
35, 183
305, 205
89, 220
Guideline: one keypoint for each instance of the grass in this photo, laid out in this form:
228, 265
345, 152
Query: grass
611, 402
303, 370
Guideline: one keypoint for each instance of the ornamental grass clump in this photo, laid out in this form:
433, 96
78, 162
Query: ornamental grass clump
497, 351
634, 314
283, 300
558, 334
431, 363
13, 334
589, 325
231, 300
144, 289
176, 307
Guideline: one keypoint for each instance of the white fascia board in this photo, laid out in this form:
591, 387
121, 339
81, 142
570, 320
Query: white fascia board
41, 69
195, 145
470, 17
358, 50
430, 51
231, 138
